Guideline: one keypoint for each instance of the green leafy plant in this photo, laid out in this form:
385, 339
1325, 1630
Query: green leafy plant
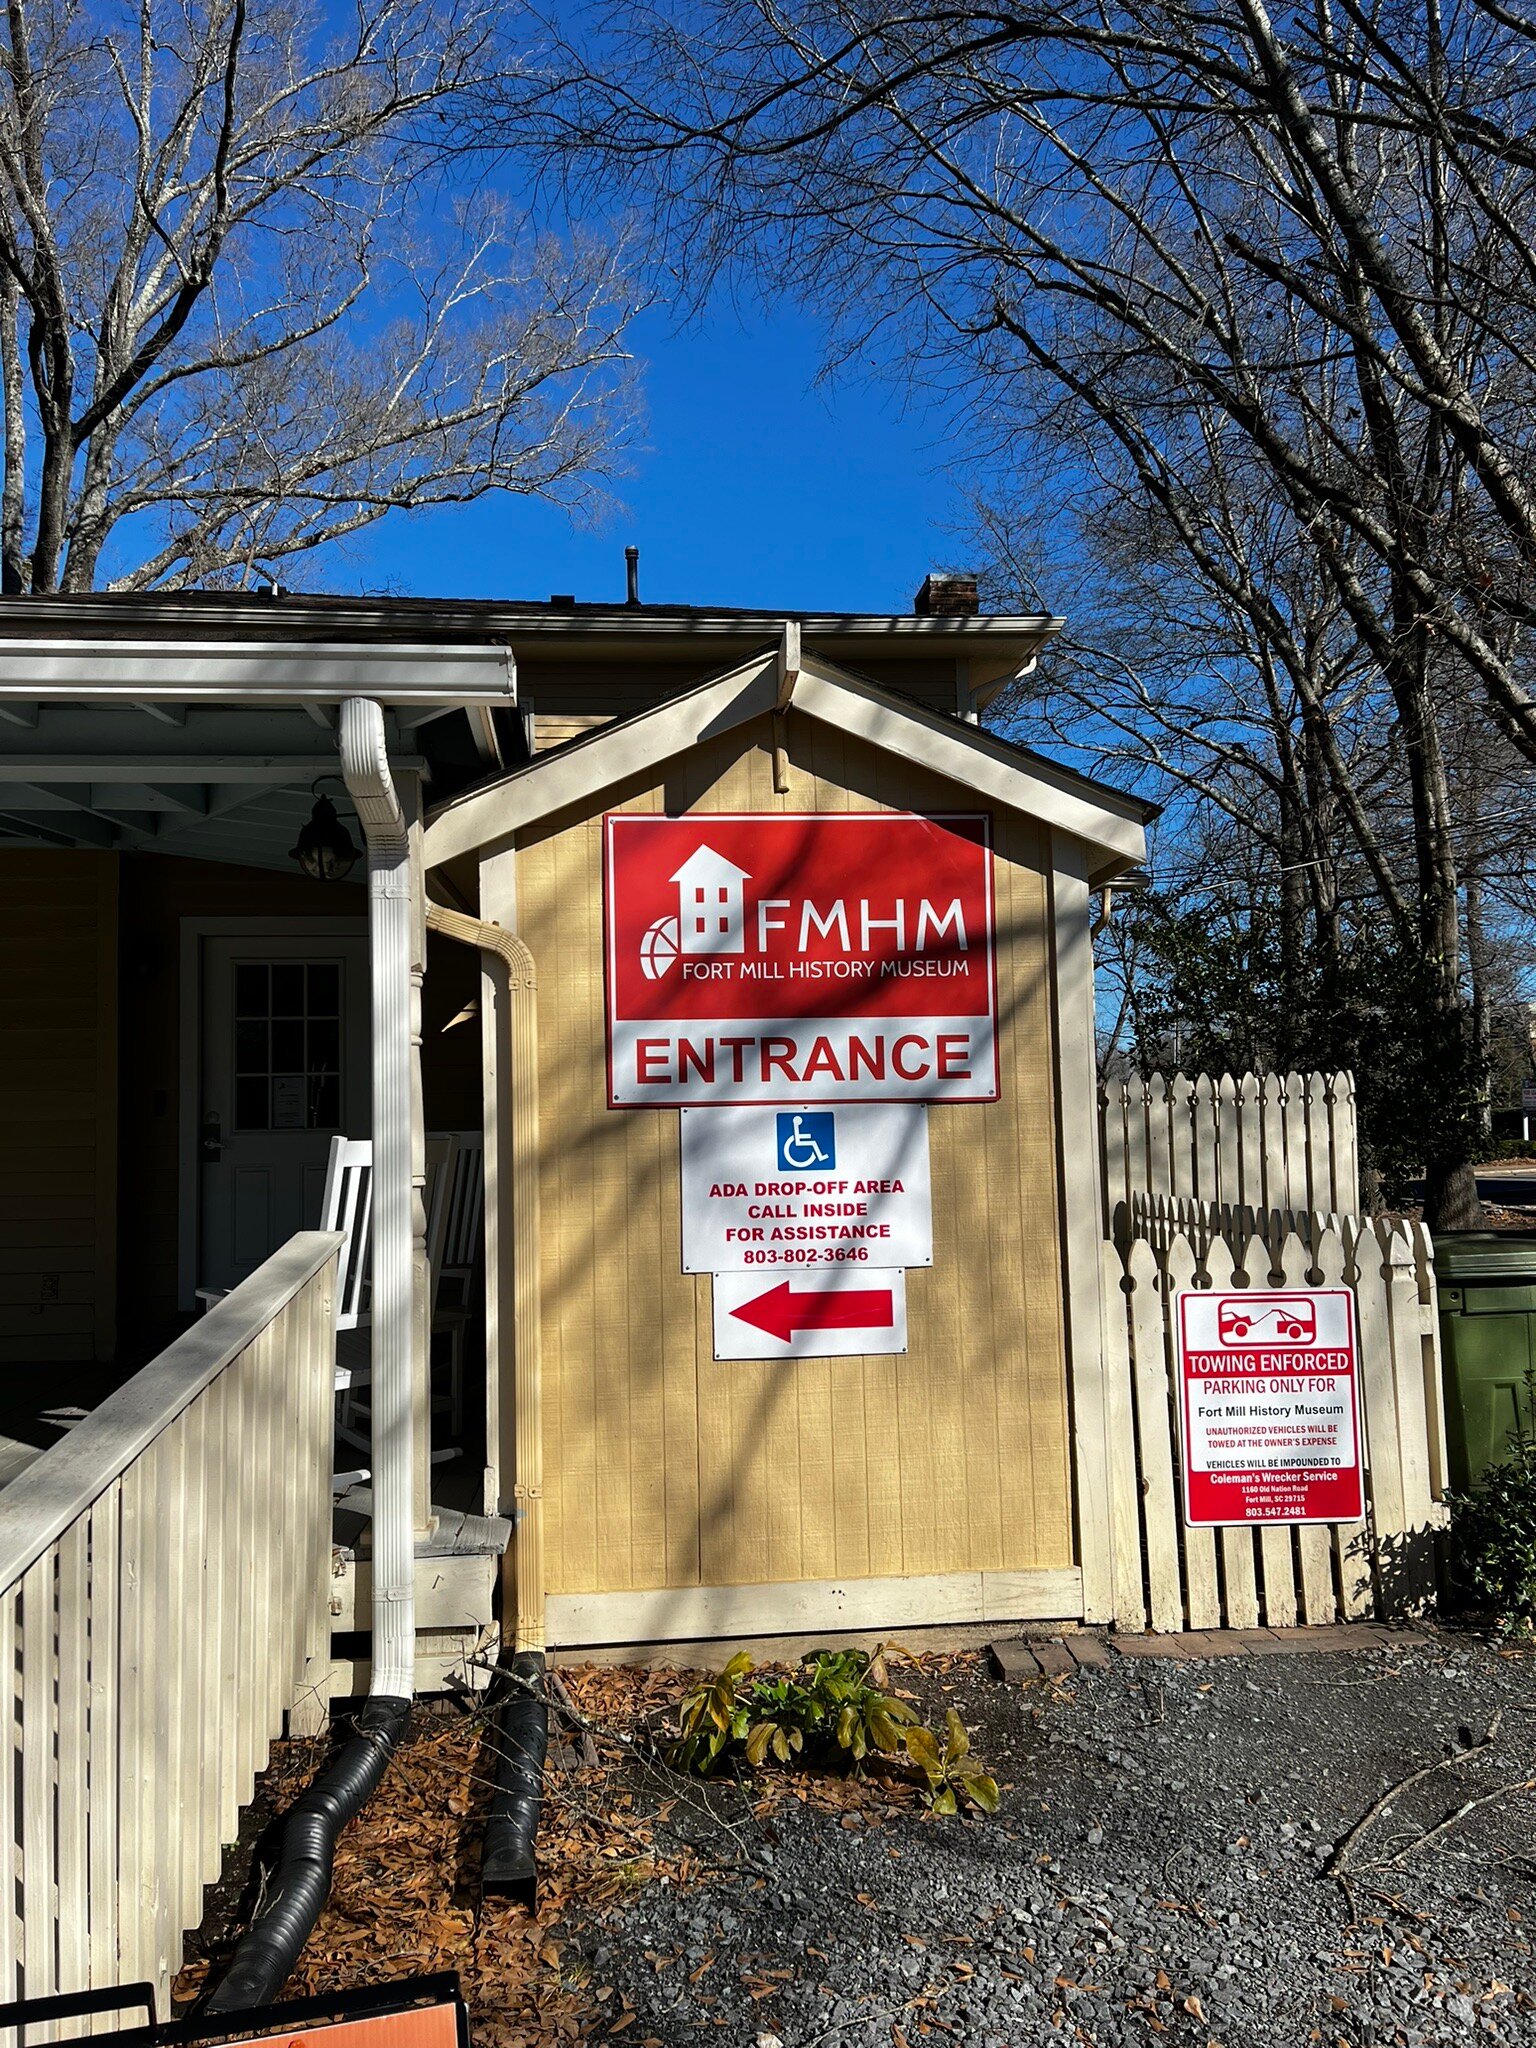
836, 1709
1493, 1526
784, 1713
710, 1718
847, 1688
950, 1773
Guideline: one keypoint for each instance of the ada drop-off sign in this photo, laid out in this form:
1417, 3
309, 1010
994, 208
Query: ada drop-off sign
800, 1189
1269, 1405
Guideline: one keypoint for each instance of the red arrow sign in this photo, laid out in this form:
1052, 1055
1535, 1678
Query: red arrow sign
780, 1312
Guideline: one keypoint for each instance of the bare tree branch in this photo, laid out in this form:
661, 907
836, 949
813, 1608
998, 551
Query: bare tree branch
242, 315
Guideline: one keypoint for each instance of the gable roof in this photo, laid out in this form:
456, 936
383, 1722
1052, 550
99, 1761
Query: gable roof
1108, 821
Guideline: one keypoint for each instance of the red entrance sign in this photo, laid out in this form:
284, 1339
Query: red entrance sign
1270, 1407
799, 958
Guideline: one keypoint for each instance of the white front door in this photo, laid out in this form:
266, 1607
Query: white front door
284, 1050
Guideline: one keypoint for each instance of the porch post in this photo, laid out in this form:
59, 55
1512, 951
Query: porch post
422, 1517
393, 947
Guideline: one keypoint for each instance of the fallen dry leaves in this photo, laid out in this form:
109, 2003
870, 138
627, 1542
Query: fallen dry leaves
406, 1896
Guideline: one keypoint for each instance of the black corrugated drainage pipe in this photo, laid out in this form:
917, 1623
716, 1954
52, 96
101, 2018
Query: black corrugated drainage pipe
301, 1879
522, 1741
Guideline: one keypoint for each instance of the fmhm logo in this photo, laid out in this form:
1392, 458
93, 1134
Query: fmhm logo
807, 1140
711, 914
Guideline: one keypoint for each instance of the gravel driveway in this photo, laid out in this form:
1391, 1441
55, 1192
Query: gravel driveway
1180, 1857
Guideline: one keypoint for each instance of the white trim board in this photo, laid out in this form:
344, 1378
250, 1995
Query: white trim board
256, 672
1077, 1143
696, 1613
189, 1014
582, 772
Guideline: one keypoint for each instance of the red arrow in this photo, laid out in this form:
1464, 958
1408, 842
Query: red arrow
780, 1312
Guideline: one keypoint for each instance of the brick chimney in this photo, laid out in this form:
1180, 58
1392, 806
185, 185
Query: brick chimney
947, 597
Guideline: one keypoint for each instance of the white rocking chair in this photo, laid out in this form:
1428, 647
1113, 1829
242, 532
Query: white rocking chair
455, 1281
347, 1206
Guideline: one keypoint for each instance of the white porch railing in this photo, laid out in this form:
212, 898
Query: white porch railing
163, 1584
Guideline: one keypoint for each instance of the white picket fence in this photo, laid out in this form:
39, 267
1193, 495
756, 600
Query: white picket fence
1166, 1577
1161, 1218
164, 1585
1260, 1141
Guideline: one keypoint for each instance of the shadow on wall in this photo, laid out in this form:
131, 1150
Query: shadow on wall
1405, 1565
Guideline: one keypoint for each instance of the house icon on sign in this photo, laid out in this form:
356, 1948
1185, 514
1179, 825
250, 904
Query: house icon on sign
711, 916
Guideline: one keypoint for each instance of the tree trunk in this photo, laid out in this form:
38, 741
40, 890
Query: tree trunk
14, 491
1450, 1196
1482, 1034
1295, 982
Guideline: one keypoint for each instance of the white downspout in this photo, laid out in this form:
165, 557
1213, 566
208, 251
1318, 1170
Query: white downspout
365, 769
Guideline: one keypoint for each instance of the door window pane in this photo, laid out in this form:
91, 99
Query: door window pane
324, 1044
325, 1102
251, 996
250, 1045
287, 1045
287, 989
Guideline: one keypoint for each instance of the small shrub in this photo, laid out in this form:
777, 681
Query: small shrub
1493, 1527
834, 1711
949, 1770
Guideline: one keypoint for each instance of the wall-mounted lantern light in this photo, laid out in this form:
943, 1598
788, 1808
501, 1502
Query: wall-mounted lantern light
325, 849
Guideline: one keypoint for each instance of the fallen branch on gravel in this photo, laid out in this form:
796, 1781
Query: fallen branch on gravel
1342, 1856
1455, 1819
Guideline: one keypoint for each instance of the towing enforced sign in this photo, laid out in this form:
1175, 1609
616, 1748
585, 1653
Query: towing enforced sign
1269, 1406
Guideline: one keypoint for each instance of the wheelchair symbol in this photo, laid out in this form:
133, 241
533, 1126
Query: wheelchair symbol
806, 1140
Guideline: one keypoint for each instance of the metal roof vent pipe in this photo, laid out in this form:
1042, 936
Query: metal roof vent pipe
632, 575
300, 1881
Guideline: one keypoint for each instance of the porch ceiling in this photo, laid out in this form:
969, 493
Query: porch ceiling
210, 747
212, 782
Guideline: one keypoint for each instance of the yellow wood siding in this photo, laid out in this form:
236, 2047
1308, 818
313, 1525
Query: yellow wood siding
553, 729
664, 1468
58, 1106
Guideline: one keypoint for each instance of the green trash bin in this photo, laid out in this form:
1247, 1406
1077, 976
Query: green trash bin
1486, 1280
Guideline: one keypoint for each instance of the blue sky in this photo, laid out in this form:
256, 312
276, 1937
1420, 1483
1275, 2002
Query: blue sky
754, 486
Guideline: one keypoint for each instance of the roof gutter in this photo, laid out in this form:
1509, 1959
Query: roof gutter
255, 672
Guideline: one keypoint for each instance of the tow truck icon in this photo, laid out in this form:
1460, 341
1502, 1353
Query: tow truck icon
1288, 1321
